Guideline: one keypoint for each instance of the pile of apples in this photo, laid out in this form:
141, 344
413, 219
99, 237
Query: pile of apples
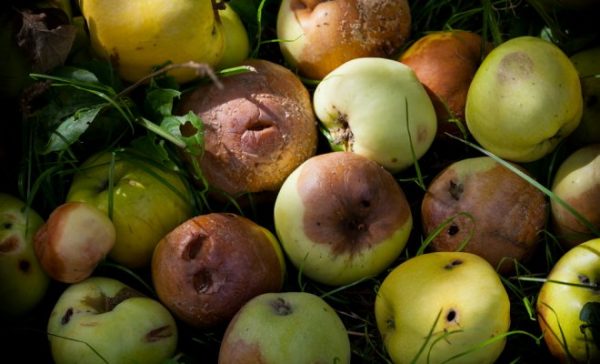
356, 155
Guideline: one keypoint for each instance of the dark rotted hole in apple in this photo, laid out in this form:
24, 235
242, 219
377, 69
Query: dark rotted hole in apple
451, 315
455, 190
202, 281
583, 279
7, 225
67, 316
453, 230
193, 248
281, 307
390, 323
452, 264
188, 130
159, 333
365, 203
24, 265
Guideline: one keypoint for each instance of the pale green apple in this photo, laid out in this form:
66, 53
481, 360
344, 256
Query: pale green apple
447, 304
287, 327
577, 182
148, 201
23, 282
587, 63
561, 300
237, 44
102, 320
341, 217
524, 99
377, 108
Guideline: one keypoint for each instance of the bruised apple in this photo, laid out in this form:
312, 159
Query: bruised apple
75, 238
484, 208
258, 128
207, 268
320, 35
341, 217
445, 62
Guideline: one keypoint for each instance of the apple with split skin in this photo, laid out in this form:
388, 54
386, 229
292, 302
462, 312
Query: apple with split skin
377, 108
76, 237
341, 217
102, 320
488, 210
148, 201
207, 268
577, 182
445, 62
287, 327
23, 282
573, 281
318, 36
446, 303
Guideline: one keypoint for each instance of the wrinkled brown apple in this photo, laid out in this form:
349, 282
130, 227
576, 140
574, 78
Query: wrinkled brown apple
480, 203
320, 35
258, 128
207, 268
75, 238
445, 62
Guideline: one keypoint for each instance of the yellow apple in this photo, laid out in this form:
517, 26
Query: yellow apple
237, 44
587, 63
524, 99
446, 303
561, 300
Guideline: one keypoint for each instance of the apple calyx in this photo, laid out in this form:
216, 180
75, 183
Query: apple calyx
281, 307
341, 135
453, 264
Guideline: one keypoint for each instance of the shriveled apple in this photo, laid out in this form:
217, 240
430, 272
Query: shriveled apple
486, 209
258, 128
445, 62
319, 35
75, 238
207, 268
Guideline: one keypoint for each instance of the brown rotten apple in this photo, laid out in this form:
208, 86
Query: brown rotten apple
488, 207
207, 268
258, 128
318, 35
445, 62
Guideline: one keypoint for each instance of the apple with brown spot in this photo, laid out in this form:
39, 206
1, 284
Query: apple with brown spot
341, 217
486, 209
207, 268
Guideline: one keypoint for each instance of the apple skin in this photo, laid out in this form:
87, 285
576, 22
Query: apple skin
362, 105
577, 182
148, 202
462, 288
341, 217
208, 267
559, 305
445, 62
319, 36
237, 44
588, 67
137, 36
287, 327
23, 282
524, 99
118, 322
74, 240
506, 214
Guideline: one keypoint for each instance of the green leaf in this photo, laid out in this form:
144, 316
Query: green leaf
189, 128
590, 314
159, 101
69, 131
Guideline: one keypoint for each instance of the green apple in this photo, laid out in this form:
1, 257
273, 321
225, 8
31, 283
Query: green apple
318, 36
287, 327
147, 200
588, 65
237, 44
377, 108
138, 35
443, 305
23, 282
572, 282
102, 320
577, 182
341, 217
524, 99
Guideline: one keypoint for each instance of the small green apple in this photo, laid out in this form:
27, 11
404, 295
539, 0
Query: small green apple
341, 217
377, 108
524, 99
287, 327
587, 63
147, 202
577, 182
23, 282
237, 44
561, 300
446, 303
102, 320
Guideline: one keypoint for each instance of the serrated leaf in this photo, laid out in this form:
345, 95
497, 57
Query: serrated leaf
189, 128
69, 131
590, 314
